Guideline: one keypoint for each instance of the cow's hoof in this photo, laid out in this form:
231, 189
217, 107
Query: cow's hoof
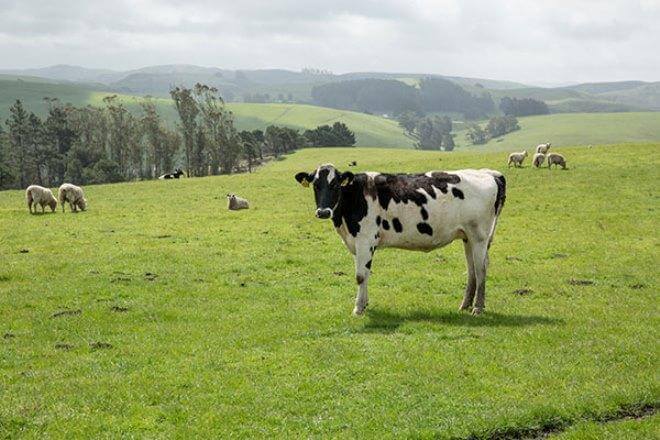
463, 308
477, 311
357, 311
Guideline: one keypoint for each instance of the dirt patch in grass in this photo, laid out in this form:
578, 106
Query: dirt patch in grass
68, 312
339, 273
513, 258
638, 286
23, 251
100, 345
8, 335
523, 291
119, 309
576, 282
63, 346
559, 255
150, 276
556, 425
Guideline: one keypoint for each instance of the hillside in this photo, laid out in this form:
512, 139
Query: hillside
576, 129
157, 313
370, 130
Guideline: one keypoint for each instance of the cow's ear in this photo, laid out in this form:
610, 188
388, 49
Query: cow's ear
304, 179
346, 178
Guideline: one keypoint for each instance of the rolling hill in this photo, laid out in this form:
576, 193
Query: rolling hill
370, 130
561, 129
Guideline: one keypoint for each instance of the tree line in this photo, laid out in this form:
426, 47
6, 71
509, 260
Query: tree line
497, 126
109, 143
395, 97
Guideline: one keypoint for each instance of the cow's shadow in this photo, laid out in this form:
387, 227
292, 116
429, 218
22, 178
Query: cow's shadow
387, 321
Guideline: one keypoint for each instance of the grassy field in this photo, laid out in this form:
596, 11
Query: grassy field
158, 313
575, 129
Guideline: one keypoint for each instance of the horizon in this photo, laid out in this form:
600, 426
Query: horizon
543, 84
525, 42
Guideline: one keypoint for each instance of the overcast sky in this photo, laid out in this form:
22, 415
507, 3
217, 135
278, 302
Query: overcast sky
539, 42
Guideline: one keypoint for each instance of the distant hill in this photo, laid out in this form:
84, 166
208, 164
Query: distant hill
370, 130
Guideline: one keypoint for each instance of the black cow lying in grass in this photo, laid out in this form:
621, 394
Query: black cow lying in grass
175, 175
412, 211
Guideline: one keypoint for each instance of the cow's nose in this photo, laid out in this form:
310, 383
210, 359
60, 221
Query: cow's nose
324, 213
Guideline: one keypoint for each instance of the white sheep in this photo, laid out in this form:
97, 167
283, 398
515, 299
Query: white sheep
556, 159
234, 203
38, 195
73, 195
539, 158
517, 158
543, 148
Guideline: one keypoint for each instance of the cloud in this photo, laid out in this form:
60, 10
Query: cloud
529, 41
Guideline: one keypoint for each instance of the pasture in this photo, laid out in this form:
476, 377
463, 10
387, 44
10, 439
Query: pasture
158, 313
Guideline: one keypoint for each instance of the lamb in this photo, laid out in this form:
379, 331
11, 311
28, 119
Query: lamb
543, 148
556, 159
74, 195
234, 203
539, 158
517, 158
38, 195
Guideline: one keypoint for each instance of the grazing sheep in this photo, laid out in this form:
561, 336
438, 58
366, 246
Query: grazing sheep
74, 196
38, 195
517, 158
556, 159
175, 175
234, 203
543, 148
539, 158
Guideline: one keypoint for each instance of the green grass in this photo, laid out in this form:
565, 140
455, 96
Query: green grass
576, 129
245, 328
632, 429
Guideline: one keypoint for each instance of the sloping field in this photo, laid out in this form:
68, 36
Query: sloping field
157, 313
577, 129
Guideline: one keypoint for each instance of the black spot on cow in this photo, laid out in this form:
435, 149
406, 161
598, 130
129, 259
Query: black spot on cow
352, 205
359, 279
424, 228
403, 188
386, 225
368, 265
378, 220
398, 227
425, 214
501, 193
457, 193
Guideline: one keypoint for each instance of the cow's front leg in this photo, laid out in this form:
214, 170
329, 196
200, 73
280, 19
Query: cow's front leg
363, 254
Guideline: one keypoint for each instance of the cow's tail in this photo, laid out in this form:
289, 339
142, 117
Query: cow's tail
500, 198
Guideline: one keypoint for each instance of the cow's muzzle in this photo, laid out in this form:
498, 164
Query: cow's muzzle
324, 213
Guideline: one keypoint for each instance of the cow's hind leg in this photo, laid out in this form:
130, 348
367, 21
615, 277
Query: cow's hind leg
364, 253
470, 288
480, 258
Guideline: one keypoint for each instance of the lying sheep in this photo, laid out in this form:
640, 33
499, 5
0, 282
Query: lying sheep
38, 195
543, 148
517, 158
73, 195
539, 158
234, 203
556, 159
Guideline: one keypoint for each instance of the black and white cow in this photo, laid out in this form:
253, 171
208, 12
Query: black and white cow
175, 175
412, 211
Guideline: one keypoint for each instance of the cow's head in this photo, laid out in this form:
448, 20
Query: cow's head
327, 182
